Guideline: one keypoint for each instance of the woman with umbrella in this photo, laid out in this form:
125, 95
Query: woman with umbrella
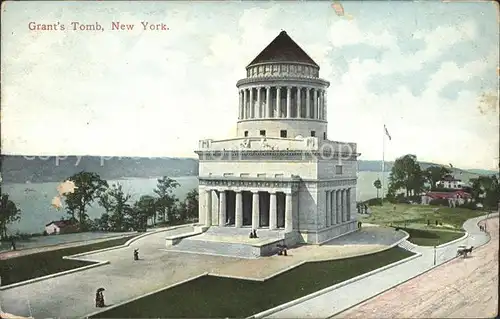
99, 298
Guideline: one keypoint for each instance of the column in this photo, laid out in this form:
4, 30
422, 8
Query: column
288, 102
308, 103
325, 105
348, 204
245, 98
320, 101
240, 103
222, 208
299, 102
328, 209
272, 211
343, 193
238, 211
268, 104
208, 208
334, 208
255, 210
258, 103
288, 212
339, 209
316, 105
278, 102
251, 104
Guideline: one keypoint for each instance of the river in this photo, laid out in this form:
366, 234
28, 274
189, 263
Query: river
35, 199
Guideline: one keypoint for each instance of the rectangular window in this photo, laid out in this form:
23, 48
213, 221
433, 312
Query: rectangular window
313, 133
246, 133
261, 175
338, 169
262, 132
244, 175
228, 174
324, 135
283, 133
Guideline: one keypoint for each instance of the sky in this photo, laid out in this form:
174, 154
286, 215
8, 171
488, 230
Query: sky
427, 70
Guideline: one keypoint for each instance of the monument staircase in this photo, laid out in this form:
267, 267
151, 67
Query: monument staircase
228, 241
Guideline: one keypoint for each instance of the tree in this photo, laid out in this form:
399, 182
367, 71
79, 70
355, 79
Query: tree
143, 209
486, 190
191, 203
378, 185
102, 223
9, 213
89, 187
115, 202
434, 174
165, 198
406, 174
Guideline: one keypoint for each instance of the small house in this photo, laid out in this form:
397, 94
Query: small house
450, 182
458, 197
61, 227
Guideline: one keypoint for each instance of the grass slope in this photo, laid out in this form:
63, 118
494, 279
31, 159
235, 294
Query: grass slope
36, 265
431, 237
416, 216
210, 296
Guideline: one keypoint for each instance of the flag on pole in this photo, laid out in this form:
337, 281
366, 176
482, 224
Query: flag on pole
451, 165
339, 8
387, 133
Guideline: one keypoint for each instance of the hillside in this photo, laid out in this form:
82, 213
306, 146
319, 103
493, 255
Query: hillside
21, 169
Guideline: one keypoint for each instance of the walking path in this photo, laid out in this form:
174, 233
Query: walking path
72, 295
33, 250
332, 303
458, 289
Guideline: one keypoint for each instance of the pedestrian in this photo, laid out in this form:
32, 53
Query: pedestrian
251, 234
255, 233
13, 245
136, 254
99, 298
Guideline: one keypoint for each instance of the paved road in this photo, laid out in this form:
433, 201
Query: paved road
338, 300
458, 289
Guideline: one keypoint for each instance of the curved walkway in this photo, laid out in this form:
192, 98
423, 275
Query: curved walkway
336, 301
72, 295
462, 288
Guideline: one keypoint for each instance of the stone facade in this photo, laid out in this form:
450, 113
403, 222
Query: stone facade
281, 172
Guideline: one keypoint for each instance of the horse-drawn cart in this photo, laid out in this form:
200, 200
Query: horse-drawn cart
463, 250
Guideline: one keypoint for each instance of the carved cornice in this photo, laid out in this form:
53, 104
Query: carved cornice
290, 183
306, 155
286, 80
222, 182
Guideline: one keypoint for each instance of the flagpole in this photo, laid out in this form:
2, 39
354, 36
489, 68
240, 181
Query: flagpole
383, 163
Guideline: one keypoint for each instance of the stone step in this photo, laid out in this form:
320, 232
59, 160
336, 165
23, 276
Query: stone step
245, 231
217, 248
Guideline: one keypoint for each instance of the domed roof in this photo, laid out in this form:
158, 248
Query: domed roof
283, 49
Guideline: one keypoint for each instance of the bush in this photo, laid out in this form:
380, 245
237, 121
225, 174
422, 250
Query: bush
373, 202
469, 205
417, 199
439, 202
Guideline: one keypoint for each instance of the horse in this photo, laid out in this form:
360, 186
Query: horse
463, 251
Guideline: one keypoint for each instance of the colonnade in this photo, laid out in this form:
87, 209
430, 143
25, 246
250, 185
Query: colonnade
338, 206
282, 102
231, 211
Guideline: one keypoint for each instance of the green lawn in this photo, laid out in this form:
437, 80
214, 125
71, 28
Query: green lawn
431, 237
211, 296
31, 266
417, 216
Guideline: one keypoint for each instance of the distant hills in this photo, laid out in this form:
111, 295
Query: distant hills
35, 169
